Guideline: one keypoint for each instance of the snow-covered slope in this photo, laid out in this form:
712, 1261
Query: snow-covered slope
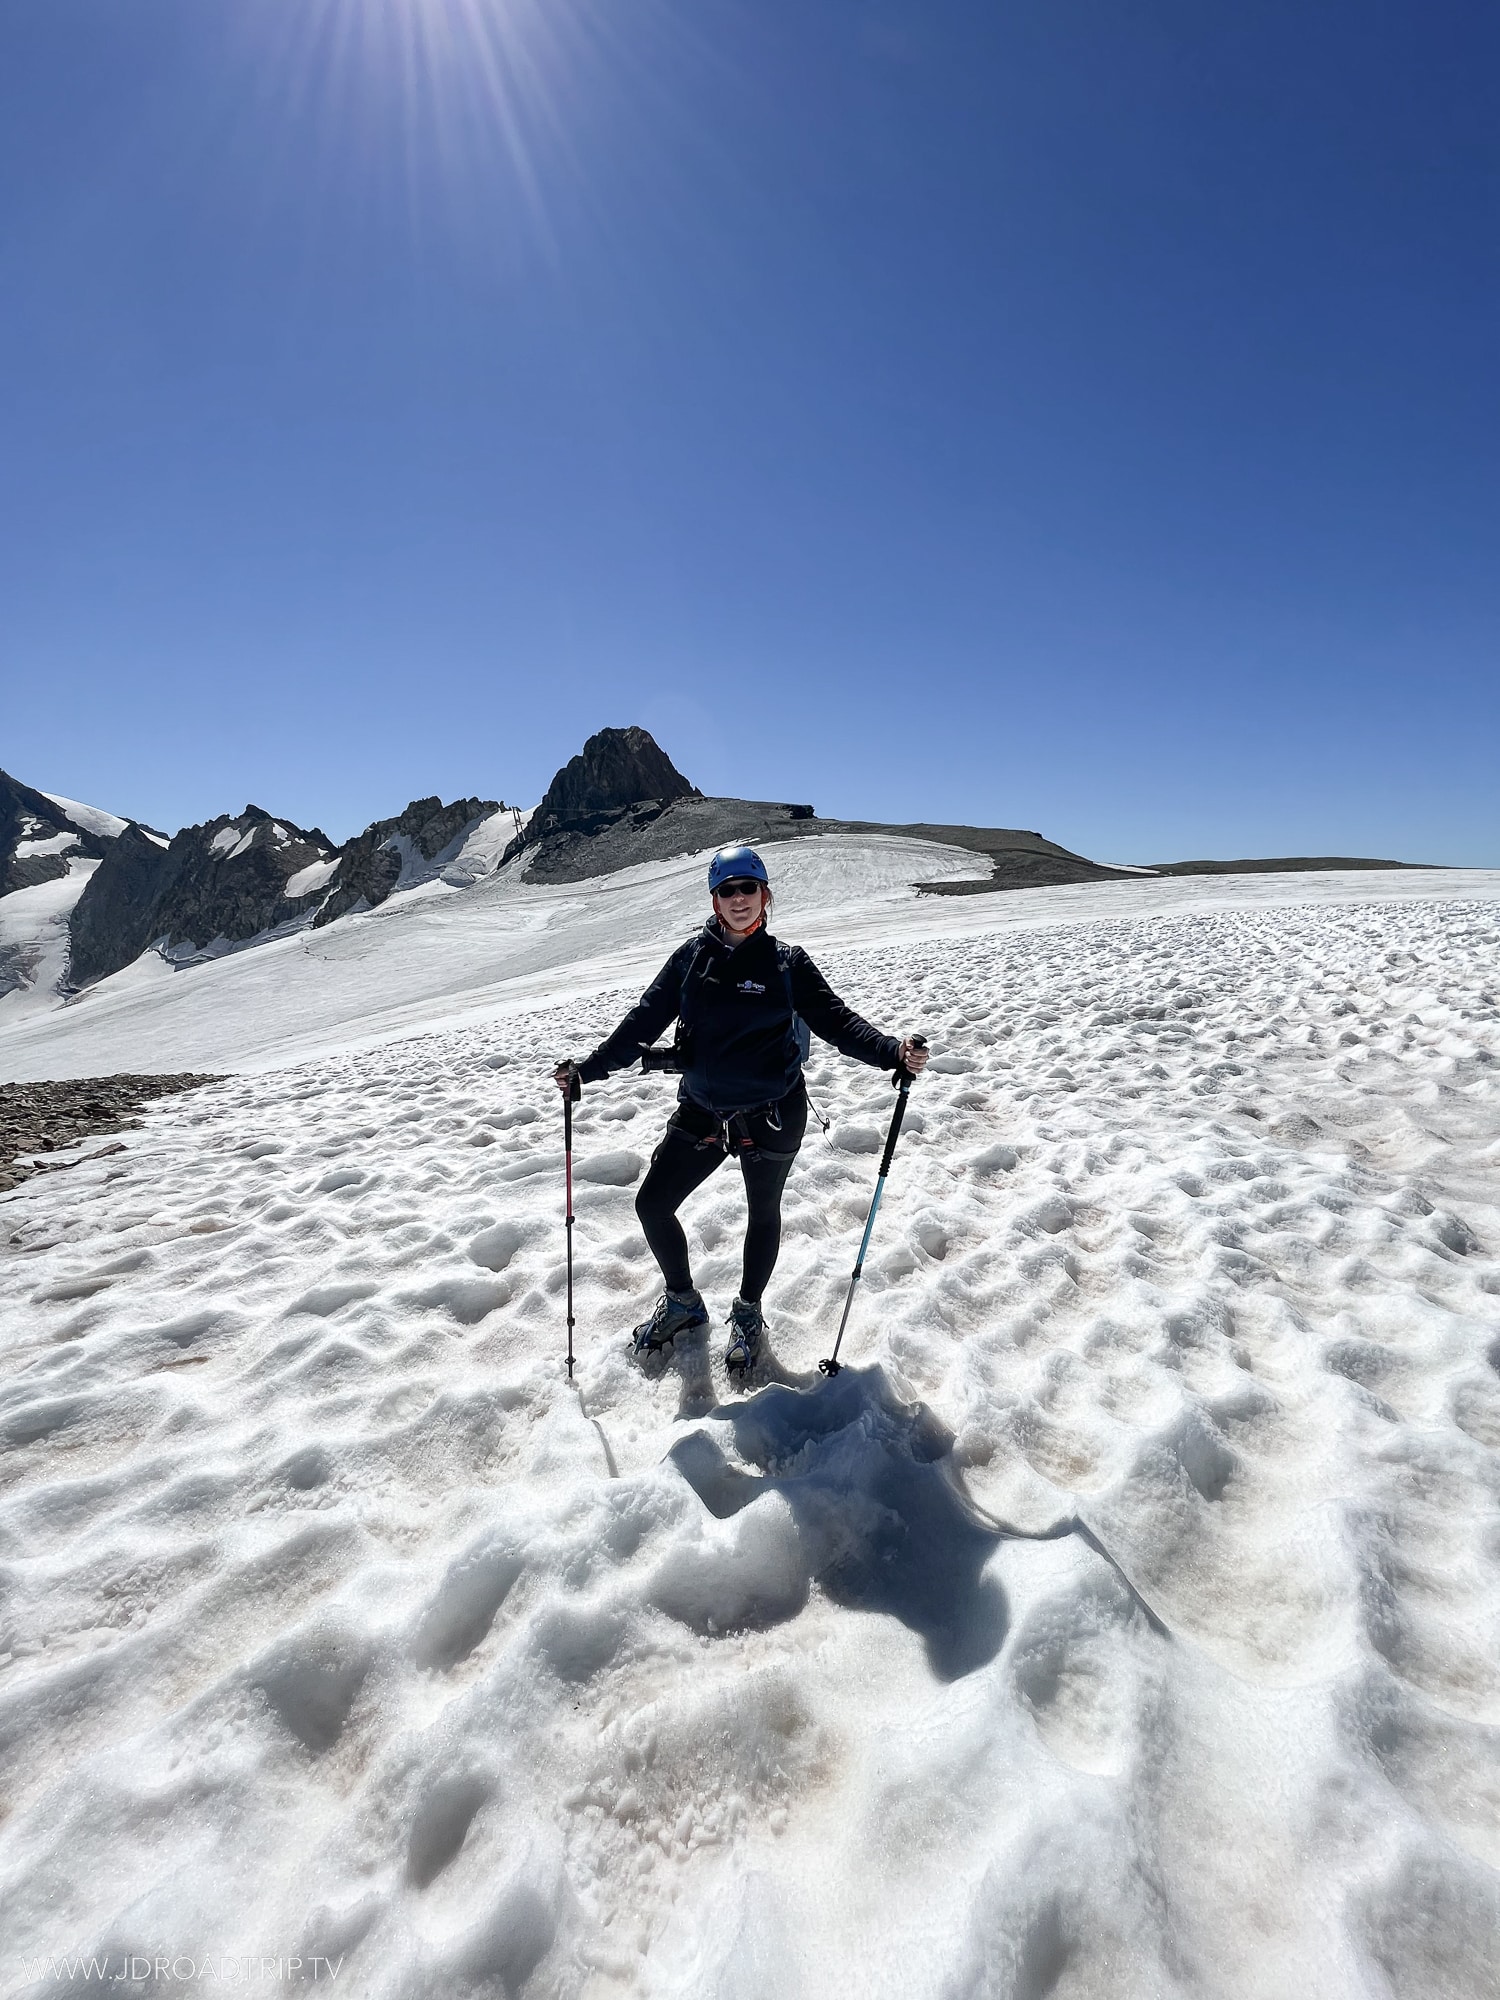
1124, 1622
34, 944
107, 825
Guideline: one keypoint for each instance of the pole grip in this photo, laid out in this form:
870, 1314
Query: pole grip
904, 1078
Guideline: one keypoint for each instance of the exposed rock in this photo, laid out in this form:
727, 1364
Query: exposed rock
232, 880
111, 921
47, 1117
1019, 860
26, 871
620, 779
660, 833
623, 802
38, 838
387, 853
1281, 865
213, 886
1020, 870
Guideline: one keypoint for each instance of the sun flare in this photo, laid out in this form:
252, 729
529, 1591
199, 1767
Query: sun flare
449, 88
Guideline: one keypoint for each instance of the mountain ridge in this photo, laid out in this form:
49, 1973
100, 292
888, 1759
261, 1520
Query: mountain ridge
234, 881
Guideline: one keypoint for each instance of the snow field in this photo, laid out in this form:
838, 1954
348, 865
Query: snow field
107, 825
1124, 1620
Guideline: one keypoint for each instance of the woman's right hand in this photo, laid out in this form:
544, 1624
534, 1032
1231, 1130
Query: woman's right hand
566, 1077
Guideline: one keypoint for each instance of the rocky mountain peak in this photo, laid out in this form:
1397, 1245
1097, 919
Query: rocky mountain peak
618, 773
391, 852
234, 836
39, 837
621, 779
211, 887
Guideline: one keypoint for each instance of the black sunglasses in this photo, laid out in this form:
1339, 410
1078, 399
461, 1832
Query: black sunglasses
738, 888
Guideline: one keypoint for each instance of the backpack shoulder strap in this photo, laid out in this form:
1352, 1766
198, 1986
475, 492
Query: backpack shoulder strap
800, 1028
784, 961
691, 951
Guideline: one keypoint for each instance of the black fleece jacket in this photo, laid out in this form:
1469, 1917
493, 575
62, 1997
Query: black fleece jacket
741, 1049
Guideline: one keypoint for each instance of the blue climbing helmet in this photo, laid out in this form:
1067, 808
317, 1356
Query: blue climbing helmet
731, 864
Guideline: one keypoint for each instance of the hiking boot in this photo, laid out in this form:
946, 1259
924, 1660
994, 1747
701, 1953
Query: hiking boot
676, 1312
746, 1327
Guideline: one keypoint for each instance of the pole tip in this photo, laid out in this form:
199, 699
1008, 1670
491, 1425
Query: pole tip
829, 1368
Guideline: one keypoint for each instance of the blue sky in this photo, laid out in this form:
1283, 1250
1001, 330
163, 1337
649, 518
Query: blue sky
1070, 414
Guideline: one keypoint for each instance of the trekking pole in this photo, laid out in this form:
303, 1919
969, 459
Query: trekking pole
904, 1080
570, 1097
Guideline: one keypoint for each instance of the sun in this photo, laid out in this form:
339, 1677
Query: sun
450, 89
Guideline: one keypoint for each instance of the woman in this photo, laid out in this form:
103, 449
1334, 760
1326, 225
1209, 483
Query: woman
740, 1000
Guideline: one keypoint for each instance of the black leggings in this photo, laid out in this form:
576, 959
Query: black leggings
691, 1148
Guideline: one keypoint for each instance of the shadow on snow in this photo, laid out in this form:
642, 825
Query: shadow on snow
882, 1518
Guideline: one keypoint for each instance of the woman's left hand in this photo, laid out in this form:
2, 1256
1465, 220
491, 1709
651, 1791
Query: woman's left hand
913, 1057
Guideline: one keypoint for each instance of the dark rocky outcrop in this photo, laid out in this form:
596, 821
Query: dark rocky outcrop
592, 840
623, 802
620, 781
111, 921
1285, 864
1018, 859
29, 819
47, 1117
219, 885
374, 862
211, 887
616, 769
654, 833
1017, 869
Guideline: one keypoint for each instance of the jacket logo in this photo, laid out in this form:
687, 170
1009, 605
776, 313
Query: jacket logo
749, 986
